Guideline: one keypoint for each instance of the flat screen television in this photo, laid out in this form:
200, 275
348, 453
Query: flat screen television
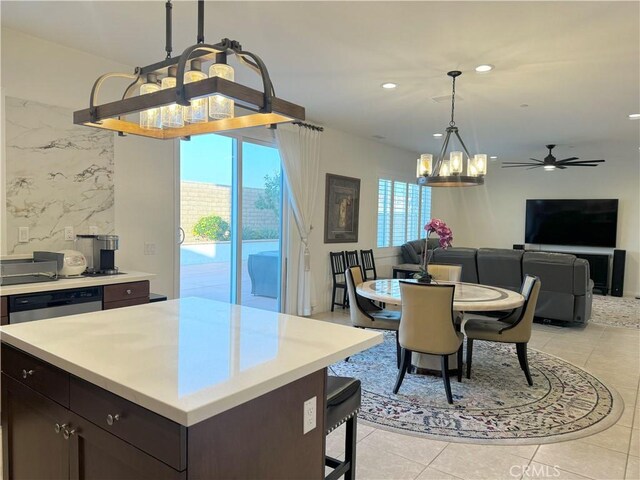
590, 223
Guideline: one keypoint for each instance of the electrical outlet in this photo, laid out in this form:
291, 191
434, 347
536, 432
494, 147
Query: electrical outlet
23, 234
93, 230
68, 234
309, 414
149, 248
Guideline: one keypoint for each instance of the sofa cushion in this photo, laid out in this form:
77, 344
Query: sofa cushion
500, 267
459, 256
555, 270
412, 251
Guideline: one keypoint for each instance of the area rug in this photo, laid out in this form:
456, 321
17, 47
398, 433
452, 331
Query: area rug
615, 311
496, 406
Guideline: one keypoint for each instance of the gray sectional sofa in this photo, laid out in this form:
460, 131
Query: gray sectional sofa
566, 292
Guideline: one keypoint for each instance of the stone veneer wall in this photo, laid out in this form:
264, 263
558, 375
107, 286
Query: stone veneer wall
199, 199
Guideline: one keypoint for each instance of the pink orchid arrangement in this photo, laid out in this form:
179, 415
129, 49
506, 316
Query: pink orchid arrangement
440, 228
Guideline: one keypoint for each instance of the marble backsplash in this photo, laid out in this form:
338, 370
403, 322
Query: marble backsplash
57, 175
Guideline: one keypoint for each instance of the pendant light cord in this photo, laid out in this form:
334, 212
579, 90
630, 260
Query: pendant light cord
452, 123
168, 46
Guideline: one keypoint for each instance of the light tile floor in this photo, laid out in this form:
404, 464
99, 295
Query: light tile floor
610, 353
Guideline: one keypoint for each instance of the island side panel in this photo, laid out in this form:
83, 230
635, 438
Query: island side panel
263, 438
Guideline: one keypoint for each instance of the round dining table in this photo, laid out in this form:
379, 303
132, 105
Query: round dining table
468, 297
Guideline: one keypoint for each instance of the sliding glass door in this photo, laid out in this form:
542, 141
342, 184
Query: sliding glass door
230, 221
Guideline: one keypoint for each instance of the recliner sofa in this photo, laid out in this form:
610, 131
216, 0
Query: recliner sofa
567, 289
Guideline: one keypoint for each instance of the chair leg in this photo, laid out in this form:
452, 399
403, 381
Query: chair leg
444, 361
404, 365
469, 355
521, 348
460, 363
345, 301
350, 447
398, 349
333, 295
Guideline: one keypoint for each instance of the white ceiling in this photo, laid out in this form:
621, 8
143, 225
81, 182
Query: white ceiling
575, 64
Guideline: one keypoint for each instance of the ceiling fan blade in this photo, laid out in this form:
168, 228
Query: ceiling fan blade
522, 165
579, 165
567, 159
536, 160
561, 167
518, 163
563, 162
535, 166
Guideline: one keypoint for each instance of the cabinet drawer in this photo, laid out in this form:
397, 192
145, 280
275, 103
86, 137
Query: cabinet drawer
150, 432
124, 303
41, 376
4, 311
126, 291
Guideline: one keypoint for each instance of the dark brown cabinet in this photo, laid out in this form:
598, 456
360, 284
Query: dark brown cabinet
125, 294
33, 445
58, 426
4, 311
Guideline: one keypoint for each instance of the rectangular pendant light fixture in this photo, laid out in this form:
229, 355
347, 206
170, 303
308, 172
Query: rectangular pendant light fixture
180, 90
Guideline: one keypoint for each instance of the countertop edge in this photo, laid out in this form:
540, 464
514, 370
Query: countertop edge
204, 412
76, 282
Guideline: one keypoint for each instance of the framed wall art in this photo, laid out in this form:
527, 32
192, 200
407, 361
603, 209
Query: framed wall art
341, 209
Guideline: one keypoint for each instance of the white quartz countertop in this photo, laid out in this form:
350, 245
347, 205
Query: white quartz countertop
188, 359
74, 282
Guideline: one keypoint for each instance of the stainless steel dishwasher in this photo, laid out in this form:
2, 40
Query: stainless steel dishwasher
59, 303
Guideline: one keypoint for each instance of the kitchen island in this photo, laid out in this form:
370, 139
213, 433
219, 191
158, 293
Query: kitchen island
186, 388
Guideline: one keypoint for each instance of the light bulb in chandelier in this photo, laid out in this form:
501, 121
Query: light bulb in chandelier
172, 116
198, 110
150, 118
221, 107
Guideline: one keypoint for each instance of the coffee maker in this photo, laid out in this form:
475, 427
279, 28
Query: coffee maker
99, 250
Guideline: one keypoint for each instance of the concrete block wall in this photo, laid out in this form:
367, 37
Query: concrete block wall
199, 199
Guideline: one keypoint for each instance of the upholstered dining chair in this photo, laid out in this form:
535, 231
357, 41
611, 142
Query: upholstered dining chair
445, 272
366, 314
427, 327
515, 328
368, 265
337, 274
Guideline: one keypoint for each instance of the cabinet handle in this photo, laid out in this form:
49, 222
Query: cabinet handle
66, 433
59, 427
129, 291
112, 418
27, 373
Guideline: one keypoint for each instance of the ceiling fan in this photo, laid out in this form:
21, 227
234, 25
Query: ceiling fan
550, 162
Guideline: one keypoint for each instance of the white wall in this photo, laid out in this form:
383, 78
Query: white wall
35, 69
494, 215
368, 160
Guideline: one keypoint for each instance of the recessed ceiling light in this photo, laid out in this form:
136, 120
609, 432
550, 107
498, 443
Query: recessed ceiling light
634, 116
484, 68
524, 105
389, 85
437, 135
493, 157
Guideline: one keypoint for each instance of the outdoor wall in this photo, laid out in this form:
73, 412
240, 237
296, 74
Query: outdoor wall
200, 199
493, 215
144, 170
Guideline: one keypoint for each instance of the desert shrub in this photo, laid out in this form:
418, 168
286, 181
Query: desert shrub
212, 227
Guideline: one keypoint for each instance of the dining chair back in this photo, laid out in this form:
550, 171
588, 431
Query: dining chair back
351, 257
368, 265
366, 314
445, 272
517, 329
427, 326
338, 267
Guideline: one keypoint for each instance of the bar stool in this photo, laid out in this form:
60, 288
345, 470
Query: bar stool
343, 403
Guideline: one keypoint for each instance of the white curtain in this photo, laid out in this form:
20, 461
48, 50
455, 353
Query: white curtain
300, 153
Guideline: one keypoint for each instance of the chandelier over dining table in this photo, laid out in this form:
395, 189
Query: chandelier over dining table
453, 171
